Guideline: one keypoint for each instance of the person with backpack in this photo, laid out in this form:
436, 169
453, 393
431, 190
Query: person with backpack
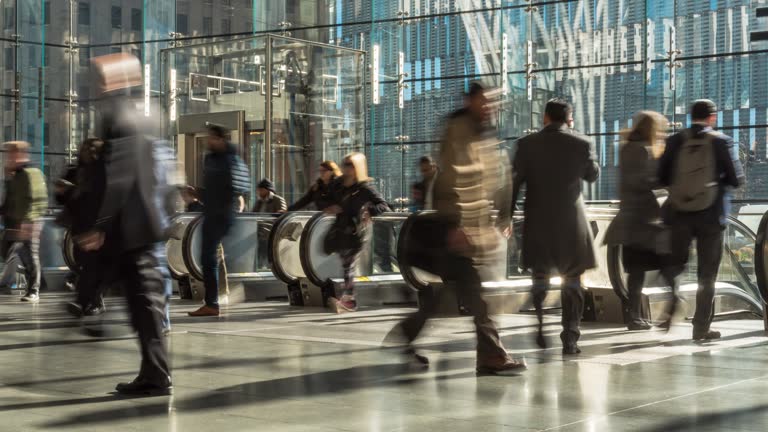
355, 200
699, 167
26, 200
225, 181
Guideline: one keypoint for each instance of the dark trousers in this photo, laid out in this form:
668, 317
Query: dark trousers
383, 239
213, 232
145, 293
708, 234
94, 268
462, 273
571, 297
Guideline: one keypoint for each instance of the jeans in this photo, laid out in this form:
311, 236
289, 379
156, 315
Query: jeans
28, 252
162, 266
213, 232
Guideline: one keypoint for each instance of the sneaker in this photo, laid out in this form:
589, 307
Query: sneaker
707, 335
31, 298
345, 304
508, 366
74, 309
204, 311
94, 310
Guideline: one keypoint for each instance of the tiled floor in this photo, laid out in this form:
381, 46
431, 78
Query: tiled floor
269, 367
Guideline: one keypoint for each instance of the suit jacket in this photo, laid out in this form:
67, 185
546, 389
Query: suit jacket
729, 170
129, 208
552, 164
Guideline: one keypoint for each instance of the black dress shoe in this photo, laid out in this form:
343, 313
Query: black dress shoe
416, 358
571, 349
75, 309
94, 310
707, 335
541, 341
142, 387
637, 326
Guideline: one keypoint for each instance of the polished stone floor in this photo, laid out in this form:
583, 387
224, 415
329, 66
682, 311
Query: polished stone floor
269, 367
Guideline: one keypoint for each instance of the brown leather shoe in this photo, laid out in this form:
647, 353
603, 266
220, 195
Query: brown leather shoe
205, 311
508, 366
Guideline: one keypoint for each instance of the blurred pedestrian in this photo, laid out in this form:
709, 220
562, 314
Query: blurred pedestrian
26, 200
225, 181
700, 166
459, 240
552, 164
638, 227
318, 194
355, 201
132, 216
423, 191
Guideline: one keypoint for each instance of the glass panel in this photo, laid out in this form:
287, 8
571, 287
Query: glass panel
317, 110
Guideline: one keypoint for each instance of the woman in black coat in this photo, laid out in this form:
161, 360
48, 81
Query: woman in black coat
319, 193
637, 227
354, 201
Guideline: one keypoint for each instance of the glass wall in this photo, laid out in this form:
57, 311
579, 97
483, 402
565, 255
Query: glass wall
609, 58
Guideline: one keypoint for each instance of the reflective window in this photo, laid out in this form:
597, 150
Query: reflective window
83, 13
117, 17
136, 19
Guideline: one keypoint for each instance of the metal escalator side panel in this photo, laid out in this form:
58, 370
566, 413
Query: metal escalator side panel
319, 267
191, 238
174, 246
761, 258
284, 252
416, 278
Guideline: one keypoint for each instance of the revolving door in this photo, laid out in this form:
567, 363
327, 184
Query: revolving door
290, 104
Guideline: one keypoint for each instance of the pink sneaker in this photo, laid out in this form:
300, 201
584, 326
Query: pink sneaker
345, 304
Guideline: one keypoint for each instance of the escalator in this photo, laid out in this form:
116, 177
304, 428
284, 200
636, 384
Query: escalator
284, 253
378, 280
245, 255
740, 288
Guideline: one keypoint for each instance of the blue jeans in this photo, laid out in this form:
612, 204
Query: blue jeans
213, 232
162, 266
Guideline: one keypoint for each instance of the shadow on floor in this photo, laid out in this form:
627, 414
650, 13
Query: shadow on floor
752, 418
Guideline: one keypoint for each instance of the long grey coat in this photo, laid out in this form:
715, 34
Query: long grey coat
637, 223
552, 164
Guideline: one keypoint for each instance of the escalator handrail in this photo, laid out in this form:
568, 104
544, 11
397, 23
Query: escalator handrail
67, 251
615, 271
179, 273
273, 253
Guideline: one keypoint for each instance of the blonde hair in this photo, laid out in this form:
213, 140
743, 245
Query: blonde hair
361, 165
647, 126
20, 146
332, 167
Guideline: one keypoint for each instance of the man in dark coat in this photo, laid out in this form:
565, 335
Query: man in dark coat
225, 181
132, 216
557, 239
707, 225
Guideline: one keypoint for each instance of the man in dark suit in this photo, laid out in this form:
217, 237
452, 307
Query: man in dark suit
706, 226
557, 239
132, 216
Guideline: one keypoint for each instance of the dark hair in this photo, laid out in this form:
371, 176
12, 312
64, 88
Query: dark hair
426, 160
475, 89
558, 110
217, 130
702, 109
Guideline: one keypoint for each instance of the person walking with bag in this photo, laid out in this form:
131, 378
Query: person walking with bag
355, 201
319, 194
637, 228
700, 166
